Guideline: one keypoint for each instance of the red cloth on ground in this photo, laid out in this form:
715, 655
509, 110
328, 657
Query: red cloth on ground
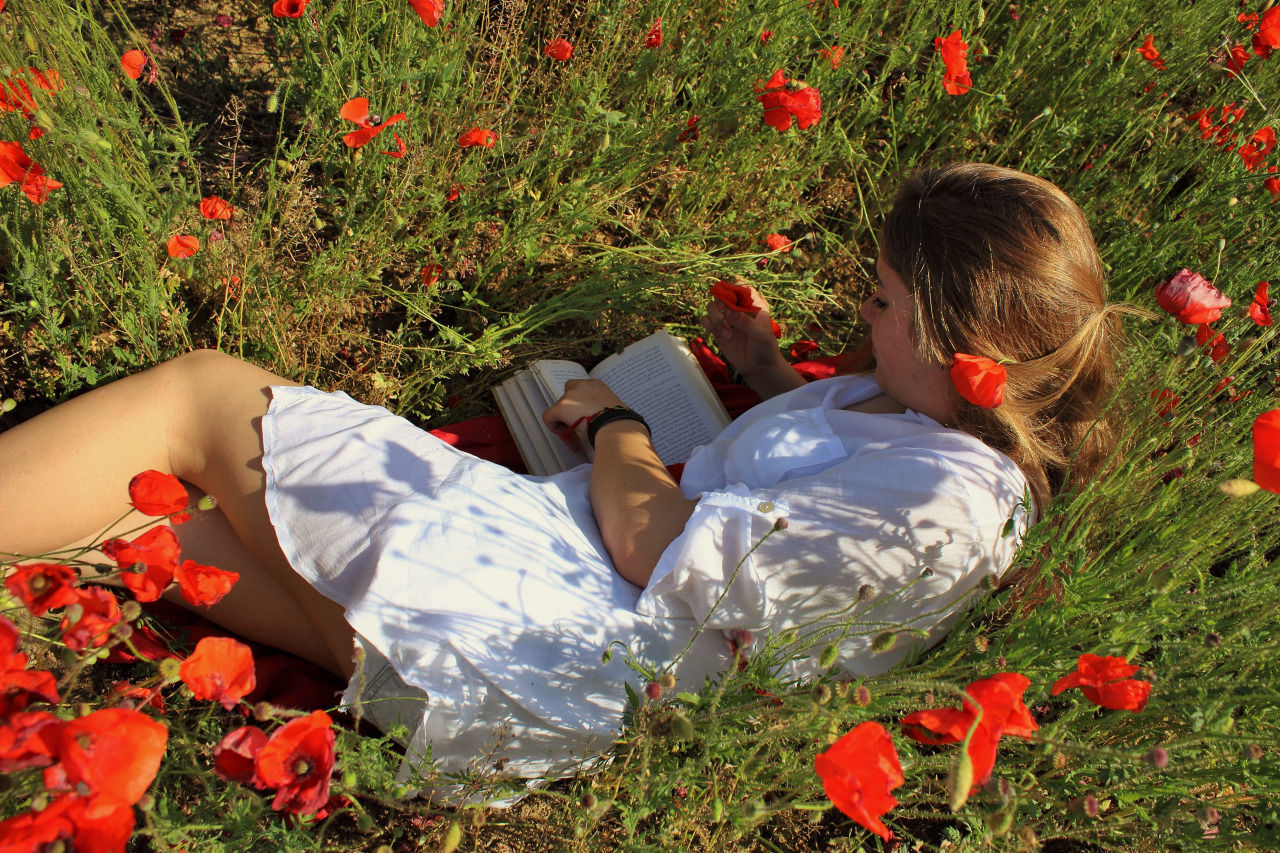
292, 682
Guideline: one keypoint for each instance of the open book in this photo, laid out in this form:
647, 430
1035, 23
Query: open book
657, 376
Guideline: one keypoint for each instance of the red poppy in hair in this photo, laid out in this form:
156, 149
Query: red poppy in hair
858, 773
297, 761
1003, 713
1105, 681
115, 752
97, 613
1148, 51
357, 110
42, 586
1260, 307
952, 49
785, 99
979, 380
219, 670
559, 49
428, 10
1191, 298
1266, 450
203, 585
477, 136
157, 550
653, 38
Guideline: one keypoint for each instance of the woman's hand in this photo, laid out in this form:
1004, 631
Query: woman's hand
582, 398
747, 342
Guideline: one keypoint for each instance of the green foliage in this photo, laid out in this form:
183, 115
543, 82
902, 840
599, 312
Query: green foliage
590, 222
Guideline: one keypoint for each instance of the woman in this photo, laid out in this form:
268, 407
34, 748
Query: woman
481, 601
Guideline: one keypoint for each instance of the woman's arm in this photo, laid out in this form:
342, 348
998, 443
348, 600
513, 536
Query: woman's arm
639, 509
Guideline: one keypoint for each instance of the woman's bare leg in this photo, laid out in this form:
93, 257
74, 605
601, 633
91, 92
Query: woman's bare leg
63, 476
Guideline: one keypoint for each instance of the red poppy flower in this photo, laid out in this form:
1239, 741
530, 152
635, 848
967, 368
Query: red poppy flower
858, 773
235, 755
128, 695
115, 752
156, 493
214, 207
66, 824
765, 36
28, 739
1266, 450
952, 49
98, 614
20, 686
1150, 54
453, 193
1105, 681
1003, 713
690, 132
1272, 184
1255, 151
1169, 399
1214, 342
399, 150
1236, 59
15, 165
653, 38
220, 670
289, 8
157, 549
477, 136
297, 762
11, 654
431, 274
182, 246
739, 297
42, 586
203, 585
1260, 307
783, 99
802, 350
1191, 298
979, 380
133, 62
1267, 38
833, 54
558, 49
779, 243
357, 110
428, 10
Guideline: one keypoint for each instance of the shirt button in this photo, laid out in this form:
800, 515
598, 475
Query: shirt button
765, 506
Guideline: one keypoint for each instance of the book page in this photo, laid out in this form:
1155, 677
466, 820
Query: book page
522, 401
553, 373
659, 378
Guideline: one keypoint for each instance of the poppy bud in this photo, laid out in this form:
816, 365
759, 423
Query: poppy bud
207, 503
43, 119
780, 524
1211, 815
1086, 806
452, 838
588, 800
884, 641
998, 785
717, 809
364, 822
828, 656
8, 405
29, 39
1238, 488
1002, 821
607, 656
146, 803
667, 680
273, 102
960, 780
1157, 757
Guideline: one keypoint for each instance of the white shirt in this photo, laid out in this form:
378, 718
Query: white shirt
493, 592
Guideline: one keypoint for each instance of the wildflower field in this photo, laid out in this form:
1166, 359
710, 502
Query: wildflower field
407, 199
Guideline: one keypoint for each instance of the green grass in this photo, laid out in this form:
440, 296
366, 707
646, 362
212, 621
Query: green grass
588, 224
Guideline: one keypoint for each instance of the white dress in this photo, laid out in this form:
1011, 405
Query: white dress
493, 593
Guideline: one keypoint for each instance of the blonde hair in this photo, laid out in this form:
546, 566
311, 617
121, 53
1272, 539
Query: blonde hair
1002, 264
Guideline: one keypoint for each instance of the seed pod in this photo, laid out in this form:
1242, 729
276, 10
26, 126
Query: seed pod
960, 780
667, 680
717, 809
821, 694
273, 102
130, 610
866, 592
478, 818
862, 696
828, 656
653, 690
207, 503
170, 670
452, 838
8, 405
349, 779
29, 39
